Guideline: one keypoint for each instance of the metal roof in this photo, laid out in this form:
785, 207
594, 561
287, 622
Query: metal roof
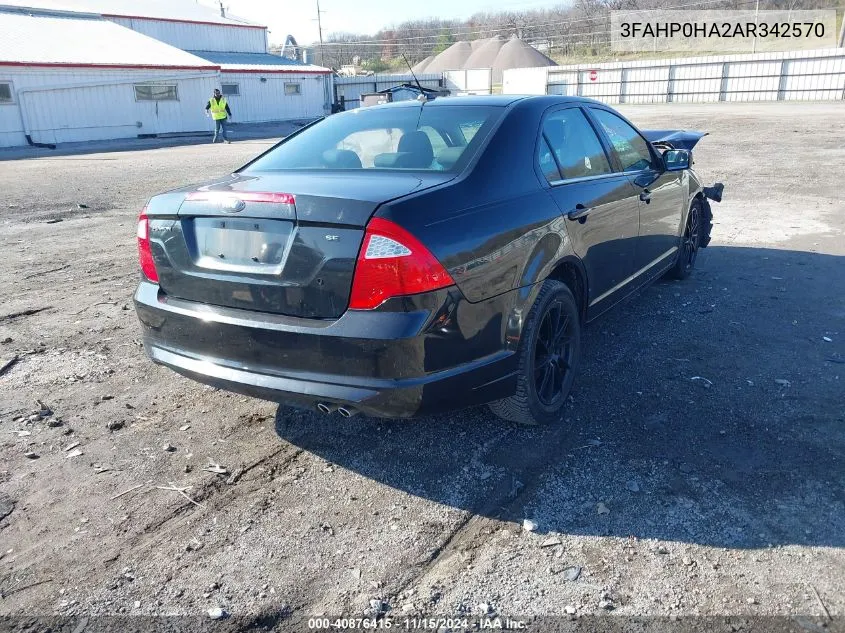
54, 40
258, 62
171, 10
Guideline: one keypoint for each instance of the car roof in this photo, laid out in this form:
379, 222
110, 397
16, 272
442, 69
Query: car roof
482, 100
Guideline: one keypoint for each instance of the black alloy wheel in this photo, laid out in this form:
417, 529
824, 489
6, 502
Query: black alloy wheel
554, 354
549, 352
691, 237
690, 243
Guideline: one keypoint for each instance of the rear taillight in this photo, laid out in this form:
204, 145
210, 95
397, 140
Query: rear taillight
145, 253
391, 263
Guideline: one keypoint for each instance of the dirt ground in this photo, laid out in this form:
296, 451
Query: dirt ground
699, 470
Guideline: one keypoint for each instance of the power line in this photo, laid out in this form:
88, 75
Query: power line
426, 40
461, 32
559, 38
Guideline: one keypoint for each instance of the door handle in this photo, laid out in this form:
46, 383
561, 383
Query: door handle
580, 213
645, 196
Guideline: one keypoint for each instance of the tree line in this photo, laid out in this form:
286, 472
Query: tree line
581, 28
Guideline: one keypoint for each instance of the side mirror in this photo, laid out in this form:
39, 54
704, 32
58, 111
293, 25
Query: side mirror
676, 159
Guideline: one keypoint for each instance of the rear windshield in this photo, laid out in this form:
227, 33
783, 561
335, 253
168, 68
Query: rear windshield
433, 138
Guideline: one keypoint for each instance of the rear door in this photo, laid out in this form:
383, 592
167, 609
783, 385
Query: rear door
661, 193
600, 205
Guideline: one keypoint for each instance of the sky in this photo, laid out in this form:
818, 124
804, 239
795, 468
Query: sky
298, 17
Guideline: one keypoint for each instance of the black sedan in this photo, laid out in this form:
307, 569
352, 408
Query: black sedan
417, 257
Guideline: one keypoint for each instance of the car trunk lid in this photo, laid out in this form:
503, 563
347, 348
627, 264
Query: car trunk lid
284, 243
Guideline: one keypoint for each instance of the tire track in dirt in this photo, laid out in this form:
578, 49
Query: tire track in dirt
216, 493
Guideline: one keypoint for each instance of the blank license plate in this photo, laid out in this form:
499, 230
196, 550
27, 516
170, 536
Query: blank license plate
241, 244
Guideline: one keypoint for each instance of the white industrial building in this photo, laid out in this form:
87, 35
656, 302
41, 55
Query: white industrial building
80, 70
259, 84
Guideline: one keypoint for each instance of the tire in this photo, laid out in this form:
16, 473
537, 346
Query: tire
690, 241
706, 223
542, 387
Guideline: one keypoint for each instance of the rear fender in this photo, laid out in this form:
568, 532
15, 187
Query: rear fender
525, 296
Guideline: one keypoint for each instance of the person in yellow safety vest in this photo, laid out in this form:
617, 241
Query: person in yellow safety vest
219, 110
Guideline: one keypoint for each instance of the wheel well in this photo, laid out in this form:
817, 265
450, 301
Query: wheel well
571, 275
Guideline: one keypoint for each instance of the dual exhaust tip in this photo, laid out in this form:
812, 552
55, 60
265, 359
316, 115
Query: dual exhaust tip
328, 409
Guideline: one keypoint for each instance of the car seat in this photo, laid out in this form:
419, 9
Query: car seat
415, 151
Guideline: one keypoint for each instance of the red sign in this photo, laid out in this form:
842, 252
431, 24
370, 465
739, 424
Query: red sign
594, 74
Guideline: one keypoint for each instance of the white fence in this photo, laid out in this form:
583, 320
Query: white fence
786, 76
478, 81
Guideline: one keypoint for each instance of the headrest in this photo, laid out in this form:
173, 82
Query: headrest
341, 159
416, 151
386, 161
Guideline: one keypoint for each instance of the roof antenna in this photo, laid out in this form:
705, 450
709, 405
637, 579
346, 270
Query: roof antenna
422, 96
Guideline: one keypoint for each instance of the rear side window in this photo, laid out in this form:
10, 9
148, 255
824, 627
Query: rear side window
424, 138
630, 147
574, 146
548, 164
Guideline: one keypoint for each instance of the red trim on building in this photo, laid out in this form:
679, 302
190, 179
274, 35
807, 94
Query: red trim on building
143, 17
107, 66
276, 72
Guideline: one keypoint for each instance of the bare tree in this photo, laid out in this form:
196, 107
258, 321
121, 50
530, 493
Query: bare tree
581, 27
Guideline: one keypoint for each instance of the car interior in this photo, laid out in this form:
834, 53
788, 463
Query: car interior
576, 147
414, 150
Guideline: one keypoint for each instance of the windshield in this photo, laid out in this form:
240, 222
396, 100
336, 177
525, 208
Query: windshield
434, 138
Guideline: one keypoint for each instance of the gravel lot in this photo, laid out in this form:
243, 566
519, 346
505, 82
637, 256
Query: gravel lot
699, 470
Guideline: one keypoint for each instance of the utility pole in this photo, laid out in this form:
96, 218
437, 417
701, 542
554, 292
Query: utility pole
842, 33
320, 31
756, 18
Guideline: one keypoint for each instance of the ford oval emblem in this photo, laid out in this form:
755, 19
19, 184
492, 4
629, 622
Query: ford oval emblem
232, 205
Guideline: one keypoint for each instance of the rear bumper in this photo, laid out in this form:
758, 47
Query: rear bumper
437, 353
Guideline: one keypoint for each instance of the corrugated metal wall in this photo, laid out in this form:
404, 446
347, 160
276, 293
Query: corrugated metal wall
67, 106
200, 37
267, 101
799, 75
11, 126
